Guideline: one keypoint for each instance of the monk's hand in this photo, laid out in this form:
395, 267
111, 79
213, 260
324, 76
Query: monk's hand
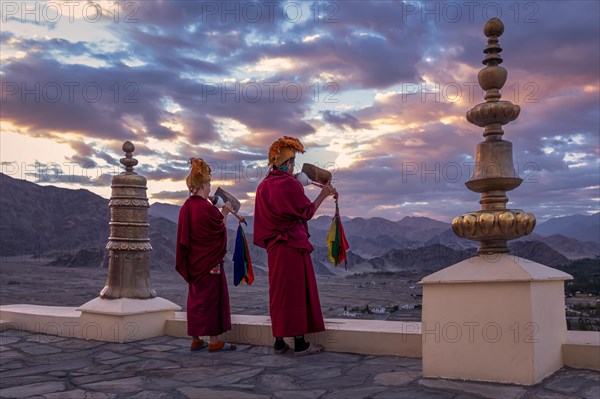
227, 208
328, 189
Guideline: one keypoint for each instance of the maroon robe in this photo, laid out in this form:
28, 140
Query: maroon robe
280, 225
201, 245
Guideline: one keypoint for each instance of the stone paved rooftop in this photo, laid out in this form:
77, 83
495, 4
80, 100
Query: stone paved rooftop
42, 366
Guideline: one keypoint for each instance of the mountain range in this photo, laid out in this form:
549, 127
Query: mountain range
375, 237
580, 227
70, 228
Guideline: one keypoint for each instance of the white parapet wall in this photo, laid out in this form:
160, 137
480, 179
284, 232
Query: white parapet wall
369, 337
582, 350
51, 320
109, 320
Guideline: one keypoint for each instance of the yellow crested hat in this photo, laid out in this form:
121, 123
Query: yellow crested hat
283, 149
199, 174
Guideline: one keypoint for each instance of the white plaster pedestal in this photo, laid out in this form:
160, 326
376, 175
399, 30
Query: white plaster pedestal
126, 319
494, 318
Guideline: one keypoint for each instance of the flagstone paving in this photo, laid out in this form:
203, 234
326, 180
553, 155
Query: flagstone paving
41, 366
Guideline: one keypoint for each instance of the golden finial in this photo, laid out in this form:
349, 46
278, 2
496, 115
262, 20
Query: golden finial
494, 173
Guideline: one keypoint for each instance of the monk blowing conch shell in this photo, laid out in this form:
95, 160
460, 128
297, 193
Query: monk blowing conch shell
280, 225
201, 248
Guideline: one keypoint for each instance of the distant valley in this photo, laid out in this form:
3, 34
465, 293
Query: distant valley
70, 228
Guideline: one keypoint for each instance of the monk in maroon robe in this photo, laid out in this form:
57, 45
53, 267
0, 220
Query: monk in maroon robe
280, 225
201, 247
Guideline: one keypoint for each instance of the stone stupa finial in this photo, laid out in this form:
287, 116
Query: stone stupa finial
129, 161
494, 173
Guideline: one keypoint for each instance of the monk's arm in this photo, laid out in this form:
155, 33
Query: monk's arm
225, 211
326, 191
319, 200
299, 205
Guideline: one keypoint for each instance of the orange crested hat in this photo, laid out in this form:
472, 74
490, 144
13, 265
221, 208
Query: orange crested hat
283, 149
199, 174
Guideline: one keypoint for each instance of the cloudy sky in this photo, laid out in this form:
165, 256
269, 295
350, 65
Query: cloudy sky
376, 90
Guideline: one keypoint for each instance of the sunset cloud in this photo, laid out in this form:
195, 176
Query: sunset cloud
376, 90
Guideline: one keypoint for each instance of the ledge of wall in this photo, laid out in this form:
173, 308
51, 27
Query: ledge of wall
51, 320
369, 337
582, 350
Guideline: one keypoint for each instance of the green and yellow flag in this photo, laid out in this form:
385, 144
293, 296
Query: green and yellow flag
336, 239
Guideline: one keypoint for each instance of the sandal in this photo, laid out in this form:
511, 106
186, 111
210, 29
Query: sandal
198, 346
282, 350
221, 347
311, 350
